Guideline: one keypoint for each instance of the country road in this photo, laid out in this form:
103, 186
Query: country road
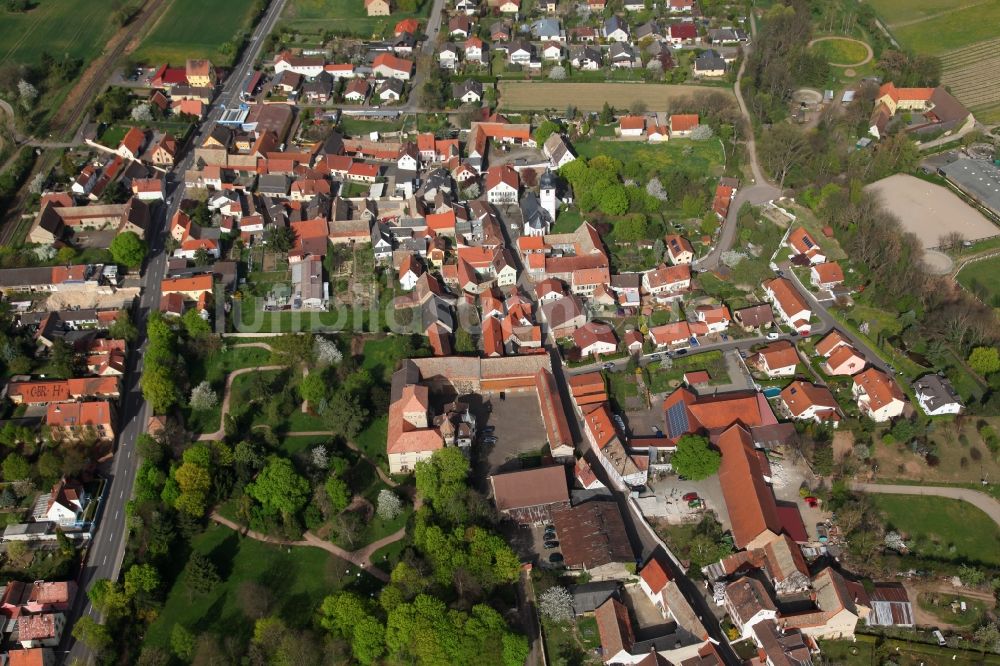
978, 499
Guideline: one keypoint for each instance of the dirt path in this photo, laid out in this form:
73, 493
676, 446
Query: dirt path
868, 48
220, 433
928, 619
360, 558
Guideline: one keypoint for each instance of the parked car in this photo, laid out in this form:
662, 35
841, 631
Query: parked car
489, 428
773, 336
681, 352
619, 422
695, 504
690, 496
811, 501
608, 366
556, 558
550, 545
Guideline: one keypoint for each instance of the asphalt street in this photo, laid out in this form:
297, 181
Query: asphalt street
107, 548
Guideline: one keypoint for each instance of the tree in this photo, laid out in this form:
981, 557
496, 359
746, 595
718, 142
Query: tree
37, 184
27, 94
389, 505
282, 239
128, 249
782, 149
142, 113
556, 603
632, 229
545, 130
122, 328
141, 580
63, 360
614, 200
985, 360
92, 634
202, 575
314, 388
988, 636
607, 114
345, 415
203, 397
326, 351
339, 493
16, 467
195, 325
194, 481
320, 458
694, 459
279, 488
159, 387
108, 597
441, 481
182, 642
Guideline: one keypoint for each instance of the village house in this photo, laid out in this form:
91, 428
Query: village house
826, 275
809, 402
679, 249
778, 359
682, 124
878, 395
789, 304
936, 396
594, 338
502, 185
754, 317
802, 243
78, 421
667, 280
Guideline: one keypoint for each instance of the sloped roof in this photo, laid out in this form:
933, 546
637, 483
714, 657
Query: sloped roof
530, 487
749, 500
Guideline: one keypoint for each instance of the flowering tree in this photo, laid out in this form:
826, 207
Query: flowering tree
203, 397
556, 603
389, 505
326, 351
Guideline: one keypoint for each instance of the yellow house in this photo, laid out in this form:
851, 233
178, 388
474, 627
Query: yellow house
200, 73
378, 7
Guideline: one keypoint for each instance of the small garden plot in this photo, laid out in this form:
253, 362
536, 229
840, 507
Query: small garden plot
664, 376
948, 608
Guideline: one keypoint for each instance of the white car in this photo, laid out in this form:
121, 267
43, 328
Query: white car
773, 336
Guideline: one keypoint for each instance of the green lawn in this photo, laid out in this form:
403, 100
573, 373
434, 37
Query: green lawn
214, 369
942, 528
75, 28
865, 652
567, 643
198, 29
951, 30
840, 51
982, 278
358, 127
381, 356
344, 16
898, 11
567, 221
371, 441
253, 319
298, 579
661, 379
701, 157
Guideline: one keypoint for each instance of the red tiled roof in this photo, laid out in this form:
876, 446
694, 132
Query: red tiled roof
749, 501
683, 122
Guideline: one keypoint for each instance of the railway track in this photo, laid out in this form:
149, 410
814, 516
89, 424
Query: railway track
100, 69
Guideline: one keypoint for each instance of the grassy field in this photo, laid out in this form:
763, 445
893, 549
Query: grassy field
942, 528
983, 279
61, 27
865, 652
298, 579
197, 29
701, 157
940, 606
840, 51
964, 24
344, 16
526, 95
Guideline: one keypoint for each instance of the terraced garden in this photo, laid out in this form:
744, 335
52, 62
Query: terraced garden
972, 73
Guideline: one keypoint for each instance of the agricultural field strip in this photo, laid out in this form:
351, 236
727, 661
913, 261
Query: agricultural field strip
973, 74
523, 95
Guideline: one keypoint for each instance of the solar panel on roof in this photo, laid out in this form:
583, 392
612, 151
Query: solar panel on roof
807, 242
677, 420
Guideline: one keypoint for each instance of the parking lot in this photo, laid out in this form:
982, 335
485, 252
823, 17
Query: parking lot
672, 491
529, 543
519, 431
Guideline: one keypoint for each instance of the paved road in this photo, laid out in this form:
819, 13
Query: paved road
107, 549
980, 500
428, 51
761, 191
